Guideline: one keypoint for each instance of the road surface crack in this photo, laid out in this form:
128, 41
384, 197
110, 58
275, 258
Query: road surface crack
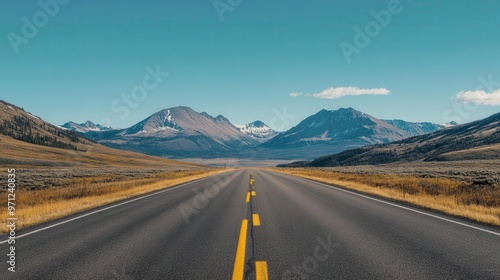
250, 263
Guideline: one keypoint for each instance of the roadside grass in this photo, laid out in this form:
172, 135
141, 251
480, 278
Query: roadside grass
477, 201
35, 206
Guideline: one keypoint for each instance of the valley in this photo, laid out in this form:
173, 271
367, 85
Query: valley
249, 140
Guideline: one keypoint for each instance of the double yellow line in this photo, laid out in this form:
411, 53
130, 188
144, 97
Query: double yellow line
252, 193
239, 263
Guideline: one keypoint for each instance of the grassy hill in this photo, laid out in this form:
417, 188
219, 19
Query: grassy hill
26, 140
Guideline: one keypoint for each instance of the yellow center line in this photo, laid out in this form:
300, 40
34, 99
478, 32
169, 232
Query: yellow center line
239, 262
261, 271
255, 220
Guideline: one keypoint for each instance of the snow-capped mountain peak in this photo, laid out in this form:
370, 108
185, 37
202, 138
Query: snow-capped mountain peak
258, 130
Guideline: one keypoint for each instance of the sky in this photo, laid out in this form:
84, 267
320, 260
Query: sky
117, 62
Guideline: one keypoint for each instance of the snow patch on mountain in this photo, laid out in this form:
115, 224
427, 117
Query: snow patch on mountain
415, 128
258, 130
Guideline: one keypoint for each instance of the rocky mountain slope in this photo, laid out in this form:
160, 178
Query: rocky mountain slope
343, 127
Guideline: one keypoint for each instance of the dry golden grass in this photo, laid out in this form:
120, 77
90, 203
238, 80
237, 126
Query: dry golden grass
476, 202
42, 205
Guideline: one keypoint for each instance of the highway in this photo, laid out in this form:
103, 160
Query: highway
256, 224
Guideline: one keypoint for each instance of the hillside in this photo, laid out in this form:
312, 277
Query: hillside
26, 140
21, 125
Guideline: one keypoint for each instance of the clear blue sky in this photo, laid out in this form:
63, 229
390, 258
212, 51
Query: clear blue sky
245, 62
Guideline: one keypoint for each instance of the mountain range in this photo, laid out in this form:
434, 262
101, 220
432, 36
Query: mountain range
85, 127
476, 140
350, 137
181, 132
418, 128
347, 128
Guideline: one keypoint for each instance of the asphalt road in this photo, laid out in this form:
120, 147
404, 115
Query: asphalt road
290, 228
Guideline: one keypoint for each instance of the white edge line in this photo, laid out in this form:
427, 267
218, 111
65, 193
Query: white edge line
399, 206
110, 207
